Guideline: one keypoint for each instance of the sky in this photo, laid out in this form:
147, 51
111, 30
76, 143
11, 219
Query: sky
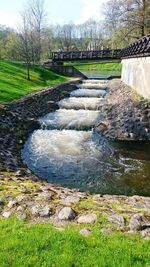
58, 11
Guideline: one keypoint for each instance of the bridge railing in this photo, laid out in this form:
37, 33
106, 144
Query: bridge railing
140, 48
83, 55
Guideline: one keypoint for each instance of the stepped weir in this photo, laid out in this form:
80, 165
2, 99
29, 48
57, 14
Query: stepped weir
68, 150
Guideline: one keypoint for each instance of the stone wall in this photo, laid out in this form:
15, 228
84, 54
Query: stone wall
127, 116
136, 74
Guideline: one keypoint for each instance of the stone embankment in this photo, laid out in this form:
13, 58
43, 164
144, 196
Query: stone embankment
127, 114
19, 118
24, 195
28, 198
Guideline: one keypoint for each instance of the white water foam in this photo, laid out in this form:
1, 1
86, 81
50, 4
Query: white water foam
92, 86
95, 81
57, 145
71, 119
88, 93
63, 154
81, 103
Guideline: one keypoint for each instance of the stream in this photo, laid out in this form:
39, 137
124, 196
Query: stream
68, 151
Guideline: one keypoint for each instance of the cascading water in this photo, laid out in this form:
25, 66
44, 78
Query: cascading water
67, 150
82, 103
88, 93
71, 119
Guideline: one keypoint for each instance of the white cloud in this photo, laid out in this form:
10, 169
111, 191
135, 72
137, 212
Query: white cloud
92, 9
9, 19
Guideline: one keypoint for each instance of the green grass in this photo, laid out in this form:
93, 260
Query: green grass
41, 245
98, 66
14, 83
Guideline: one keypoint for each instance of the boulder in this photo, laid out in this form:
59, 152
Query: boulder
146, 233
117, 219
41, 210
135, 223
85, 232
7, 214
67, 214
88, 218
12, 204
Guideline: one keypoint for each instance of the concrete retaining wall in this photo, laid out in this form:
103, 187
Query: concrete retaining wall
136, 73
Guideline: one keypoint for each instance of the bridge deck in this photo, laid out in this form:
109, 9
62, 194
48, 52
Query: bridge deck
85, 55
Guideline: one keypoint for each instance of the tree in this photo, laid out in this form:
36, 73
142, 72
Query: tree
25, 44
37, 20
127, 21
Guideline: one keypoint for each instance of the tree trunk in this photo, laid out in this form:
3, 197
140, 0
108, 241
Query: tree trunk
28, 71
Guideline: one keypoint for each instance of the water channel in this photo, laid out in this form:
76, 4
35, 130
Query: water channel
68, 151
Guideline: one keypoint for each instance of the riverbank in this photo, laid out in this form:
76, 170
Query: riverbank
26, 197
19, 118
33, 209
41, 216
14, 83
127, 114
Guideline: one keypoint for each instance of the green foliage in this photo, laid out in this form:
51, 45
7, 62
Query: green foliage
14, 83
41, 245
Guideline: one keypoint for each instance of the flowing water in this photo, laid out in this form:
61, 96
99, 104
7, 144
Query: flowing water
68, 151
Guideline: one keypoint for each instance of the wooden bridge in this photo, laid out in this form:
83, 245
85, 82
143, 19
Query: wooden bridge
137, 49
140, 48
105, 54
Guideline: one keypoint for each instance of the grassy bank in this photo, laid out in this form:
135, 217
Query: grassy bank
41, 245
97, 66
14, 83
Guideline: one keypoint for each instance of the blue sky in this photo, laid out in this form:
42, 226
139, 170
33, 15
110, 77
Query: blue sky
59, 11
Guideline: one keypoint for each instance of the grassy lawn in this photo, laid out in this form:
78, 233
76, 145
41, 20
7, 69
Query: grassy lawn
14, 83
98, 66
41, 245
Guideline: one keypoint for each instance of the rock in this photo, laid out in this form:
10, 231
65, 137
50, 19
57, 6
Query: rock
101, 127
41, 210
146, 233
117, 219
70, 200
67, 213
20, 208
7, 214
21, 172
45, 196
106, 231
97, 198
12, 204
21, 198
88, 218
26, 191
85, 232
22, 216
135, 223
